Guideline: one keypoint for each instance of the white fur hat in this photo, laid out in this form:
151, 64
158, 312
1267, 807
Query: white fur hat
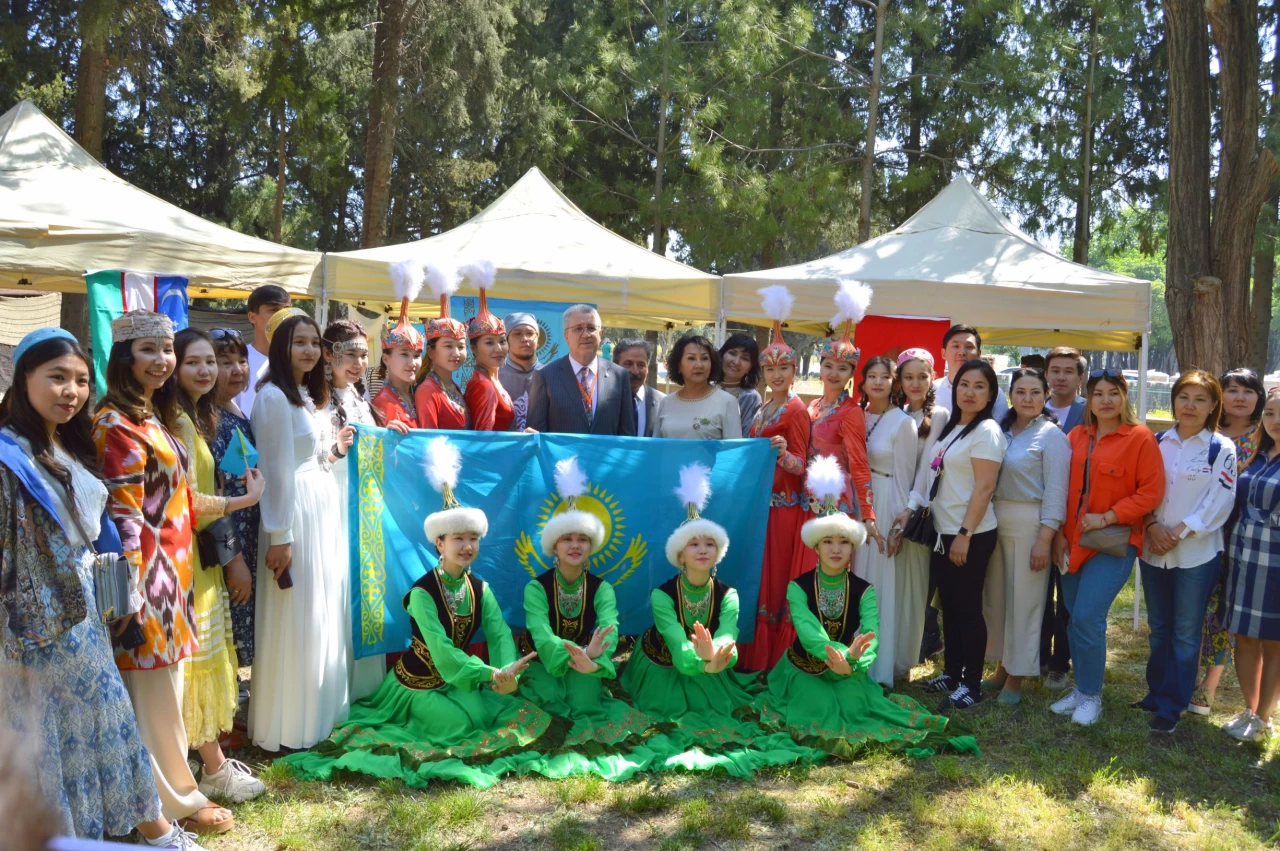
694, 491
443, 463
825, 480
571, 483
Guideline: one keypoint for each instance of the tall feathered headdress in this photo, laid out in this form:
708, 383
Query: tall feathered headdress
406, 280
443, 283
571, 484
777, 302
443, 464
694, 491
481, 274
852, 300
827, 482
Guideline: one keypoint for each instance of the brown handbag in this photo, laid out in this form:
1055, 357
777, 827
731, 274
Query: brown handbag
1111, 540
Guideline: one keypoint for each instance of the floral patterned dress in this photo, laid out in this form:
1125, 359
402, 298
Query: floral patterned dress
1217, 644
246, 520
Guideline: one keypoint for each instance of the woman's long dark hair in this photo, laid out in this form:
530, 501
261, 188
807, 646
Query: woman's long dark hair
124, 393
76, 435
1011, 416
280, 366
749, 345
993, 386
879, 360
340, 331
203, 412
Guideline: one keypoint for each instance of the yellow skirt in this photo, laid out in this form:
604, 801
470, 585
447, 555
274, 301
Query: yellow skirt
210, 693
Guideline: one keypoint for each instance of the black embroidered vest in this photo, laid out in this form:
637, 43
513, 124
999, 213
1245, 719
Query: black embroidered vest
576, 629
842, 629
415, 669
652, 642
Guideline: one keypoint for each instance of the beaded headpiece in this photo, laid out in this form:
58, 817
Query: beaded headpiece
777, 302
277, 319
407, 279
694, 492
826, 481
443, 464
916, 354
443, 283
481, 274
571, 483
852, 300
356, 345
140, 324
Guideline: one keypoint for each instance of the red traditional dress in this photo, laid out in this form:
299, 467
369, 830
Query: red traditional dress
842, 431
488, 404
438, 406
392, 406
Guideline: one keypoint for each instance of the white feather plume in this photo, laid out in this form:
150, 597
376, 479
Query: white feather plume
695, 485
825, 478
479, 274
407, 278
442, 281
570, 480
443, 463
852, 300
776, 301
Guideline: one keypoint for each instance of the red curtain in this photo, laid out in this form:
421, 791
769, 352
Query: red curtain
890, 335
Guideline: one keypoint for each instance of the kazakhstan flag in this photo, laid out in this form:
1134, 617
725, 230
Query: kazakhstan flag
511, 478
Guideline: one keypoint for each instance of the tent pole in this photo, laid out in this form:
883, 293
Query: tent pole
322, 309
720, 328
1144, 354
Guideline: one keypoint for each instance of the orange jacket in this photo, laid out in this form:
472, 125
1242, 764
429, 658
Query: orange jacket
1126, 476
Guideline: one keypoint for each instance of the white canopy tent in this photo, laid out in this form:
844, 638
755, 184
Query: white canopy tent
63, 213
544, 249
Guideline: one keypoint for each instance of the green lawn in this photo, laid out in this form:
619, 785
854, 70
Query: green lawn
1040, 783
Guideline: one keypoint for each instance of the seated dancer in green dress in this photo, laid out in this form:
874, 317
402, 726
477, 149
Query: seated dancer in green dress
681, 670
819, 691
442, 713
571, 617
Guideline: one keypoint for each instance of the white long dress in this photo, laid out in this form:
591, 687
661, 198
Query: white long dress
913, 558
364, 675
300, 661
891, 452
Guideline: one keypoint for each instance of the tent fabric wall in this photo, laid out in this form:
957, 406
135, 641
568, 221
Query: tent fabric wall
959, 257
63, 214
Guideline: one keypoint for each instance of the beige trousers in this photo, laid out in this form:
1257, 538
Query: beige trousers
1013, 595
157, 701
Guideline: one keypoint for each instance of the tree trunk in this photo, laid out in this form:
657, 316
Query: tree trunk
659, 237
873, 107
651, 337
1264, 275
94, 23
1192, 294
1080, 249
1246, 169
384, 105
280, 168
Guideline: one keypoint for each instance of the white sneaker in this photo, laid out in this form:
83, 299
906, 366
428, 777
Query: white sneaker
1088, 709
177, 839
1237, 720
1066, 705
233, 782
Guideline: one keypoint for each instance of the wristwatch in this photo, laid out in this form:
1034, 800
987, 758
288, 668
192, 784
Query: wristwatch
963, 533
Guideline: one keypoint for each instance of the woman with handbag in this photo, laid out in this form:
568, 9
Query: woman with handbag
92, 769
965, 466
1031, 503
1117, 479
210, 688
145, 468
1183, 555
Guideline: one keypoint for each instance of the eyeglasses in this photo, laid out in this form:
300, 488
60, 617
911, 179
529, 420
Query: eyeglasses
584, 329
225, 334
1113, 374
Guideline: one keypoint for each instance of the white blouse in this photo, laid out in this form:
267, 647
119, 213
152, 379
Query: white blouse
288, 440
1196, 493
925, 442
891, 453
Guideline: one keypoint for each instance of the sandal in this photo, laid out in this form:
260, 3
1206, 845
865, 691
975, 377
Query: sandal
206, 820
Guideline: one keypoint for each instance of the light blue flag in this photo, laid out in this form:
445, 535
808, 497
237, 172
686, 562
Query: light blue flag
511, 477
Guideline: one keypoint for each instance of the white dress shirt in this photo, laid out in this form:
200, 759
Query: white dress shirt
257, 369
641, 414
944, 397
1197, 494
595, 381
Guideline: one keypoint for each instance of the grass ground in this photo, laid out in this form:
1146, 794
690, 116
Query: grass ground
1040, 784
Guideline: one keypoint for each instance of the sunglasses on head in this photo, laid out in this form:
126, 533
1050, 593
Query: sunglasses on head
1242, 371
1113, 374
225, 334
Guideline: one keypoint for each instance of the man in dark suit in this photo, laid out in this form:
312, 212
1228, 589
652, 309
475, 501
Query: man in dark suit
634, 356
582, 393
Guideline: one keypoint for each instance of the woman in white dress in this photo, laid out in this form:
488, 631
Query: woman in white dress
346, 357
891, 453
915, 395
302, 632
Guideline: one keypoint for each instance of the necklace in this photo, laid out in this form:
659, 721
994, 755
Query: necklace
696, 609
568, 598
830, 598
406, 401
711, 389
454, 597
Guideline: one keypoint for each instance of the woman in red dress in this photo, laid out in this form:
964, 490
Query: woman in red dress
438, 399
488, 404
401, 352
784, 420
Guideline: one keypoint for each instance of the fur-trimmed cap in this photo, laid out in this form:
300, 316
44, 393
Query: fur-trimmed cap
694, 492
826, 480
443, 464
838, 525
571, 483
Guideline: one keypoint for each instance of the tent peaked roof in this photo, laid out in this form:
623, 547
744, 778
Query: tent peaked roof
63, 213
958, 257
544, 249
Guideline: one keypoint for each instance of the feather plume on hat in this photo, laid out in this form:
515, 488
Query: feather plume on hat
443, 464
443, 283
825, 481
482, 274
694, 492
571, 483
406, 282
776, 302
852, 300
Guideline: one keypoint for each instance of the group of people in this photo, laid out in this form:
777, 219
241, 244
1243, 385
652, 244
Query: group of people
1023, 516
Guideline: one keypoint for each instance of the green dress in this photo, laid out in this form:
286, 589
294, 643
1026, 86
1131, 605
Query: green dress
710, 712
435, 715
606, 733
842, 715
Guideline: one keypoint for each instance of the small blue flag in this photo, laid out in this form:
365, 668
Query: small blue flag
240, 455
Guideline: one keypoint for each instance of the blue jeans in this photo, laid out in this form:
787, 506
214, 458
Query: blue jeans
1089, 593
1176, 599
